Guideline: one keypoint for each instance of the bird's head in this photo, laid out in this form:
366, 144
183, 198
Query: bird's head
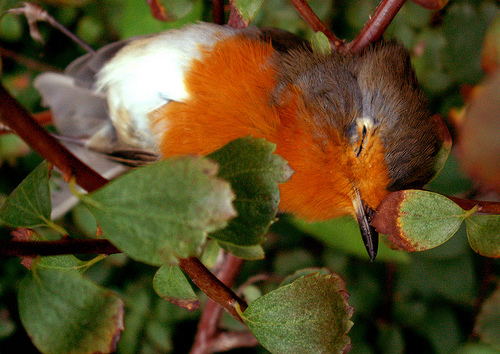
369, 107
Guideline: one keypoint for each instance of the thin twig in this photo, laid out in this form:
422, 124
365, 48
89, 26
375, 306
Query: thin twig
18, 119
35, 13
257, 278
207, 328
376, 25
315, 23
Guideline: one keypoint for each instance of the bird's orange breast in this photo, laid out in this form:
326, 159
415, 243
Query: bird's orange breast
230, 96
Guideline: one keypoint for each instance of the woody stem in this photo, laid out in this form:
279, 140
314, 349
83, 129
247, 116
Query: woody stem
376, 25
212, 286
18, 119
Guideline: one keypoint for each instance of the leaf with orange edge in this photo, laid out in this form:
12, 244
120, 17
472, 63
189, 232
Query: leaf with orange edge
416, 220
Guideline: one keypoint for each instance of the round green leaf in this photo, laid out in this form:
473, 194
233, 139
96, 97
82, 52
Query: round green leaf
254, 173
171, 284
416, 220
163, 211
483, 232
321, 44
64, 312
311, 315
29, 204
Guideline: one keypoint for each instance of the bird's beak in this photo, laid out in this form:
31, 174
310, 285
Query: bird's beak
364, 215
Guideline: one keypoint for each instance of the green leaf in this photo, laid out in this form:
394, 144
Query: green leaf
429, 65
64, 312
29, 204
248, 9
210, 254
254, 173
483, 232
311, 315
164, 210
321, 44
416, 220
343, 234
171, 284
487, 325
250, 253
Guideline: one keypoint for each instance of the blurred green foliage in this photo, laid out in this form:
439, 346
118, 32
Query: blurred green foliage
412, 303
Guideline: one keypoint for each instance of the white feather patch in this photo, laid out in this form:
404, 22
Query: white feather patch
149, 72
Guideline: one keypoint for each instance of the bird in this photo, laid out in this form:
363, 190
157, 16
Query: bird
354, 127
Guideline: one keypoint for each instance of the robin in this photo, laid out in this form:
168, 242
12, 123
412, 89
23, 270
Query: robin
354, 127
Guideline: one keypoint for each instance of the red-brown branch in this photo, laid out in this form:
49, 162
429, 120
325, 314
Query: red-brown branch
212, 286
376, 25
18, 119
198, 273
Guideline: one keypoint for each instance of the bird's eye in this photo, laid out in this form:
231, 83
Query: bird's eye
358, 134
361, 144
